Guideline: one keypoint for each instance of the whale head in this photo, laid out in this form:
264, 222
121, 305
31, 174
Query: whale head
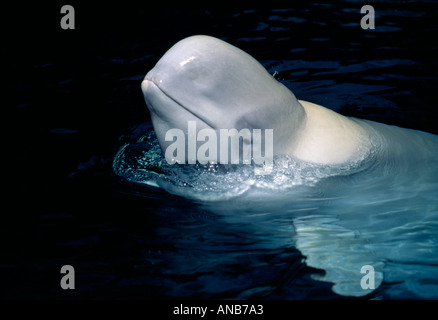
219, 86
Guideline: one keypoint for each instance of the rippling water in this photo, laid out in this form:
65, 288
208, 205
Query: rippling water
73, 107
380, 212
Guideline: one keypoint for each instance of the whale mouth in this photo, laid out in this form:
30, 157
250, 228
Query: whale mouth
147, 82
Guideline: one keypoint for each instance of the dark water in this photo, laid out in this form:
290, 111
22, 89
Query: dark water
71, 98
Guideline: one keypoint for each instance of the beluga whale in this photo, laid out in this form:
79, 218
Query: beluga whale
353, 195
207, 81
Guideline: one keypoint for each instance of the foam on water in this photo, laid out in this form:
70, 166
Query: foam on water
142, 161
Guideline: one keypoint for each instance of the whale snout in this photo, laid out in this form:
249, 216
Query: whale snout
144, 85
150, 94
146, 88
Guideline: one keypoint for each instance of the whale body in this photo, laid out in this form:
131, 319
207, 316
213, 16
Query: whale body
348, 192
219, 86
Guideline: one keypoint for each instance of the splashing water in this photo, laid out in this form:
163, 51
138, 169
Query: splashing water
142, 161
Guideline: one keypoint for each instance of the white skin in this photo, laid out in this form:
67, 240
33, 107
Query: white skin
207, 80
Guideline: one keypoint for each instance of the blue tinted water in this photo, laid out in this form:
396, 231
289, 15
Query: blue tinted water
380, 212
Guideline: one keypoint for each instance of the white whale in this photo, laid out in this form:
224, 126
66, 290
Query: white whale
383, 213
219, 86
